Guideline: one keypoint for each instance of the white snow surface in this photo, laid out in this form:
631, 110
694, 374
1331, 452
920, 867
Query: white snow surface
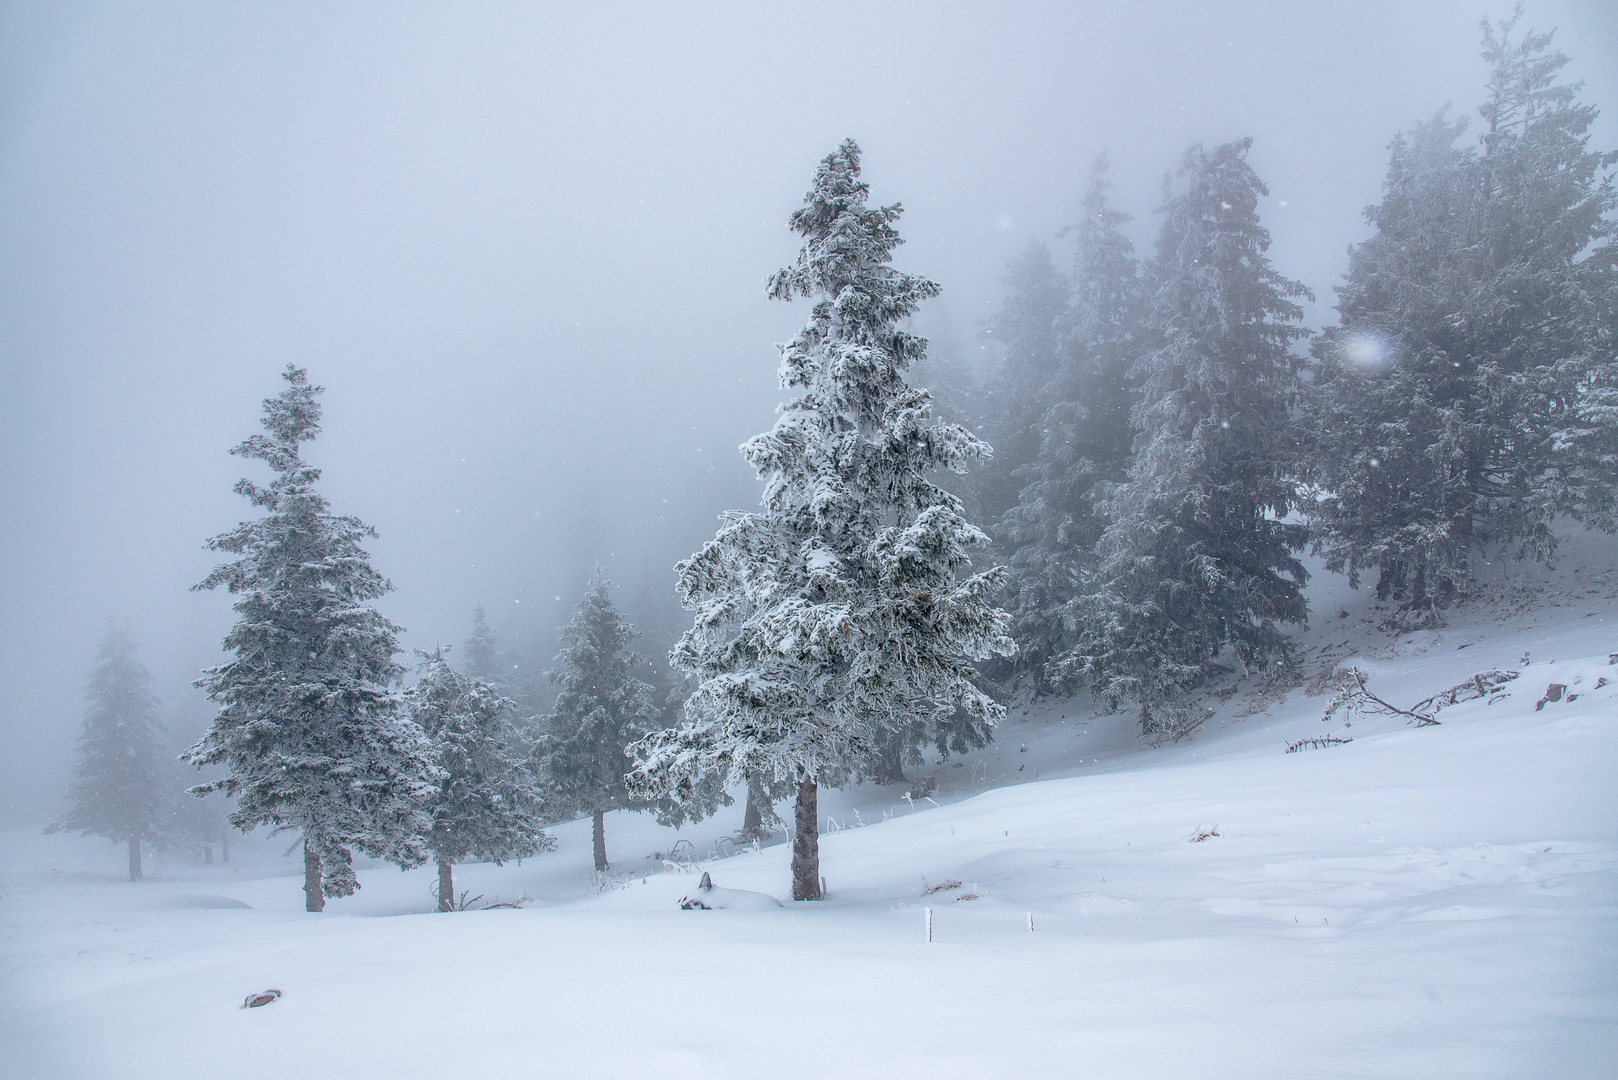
1419, 902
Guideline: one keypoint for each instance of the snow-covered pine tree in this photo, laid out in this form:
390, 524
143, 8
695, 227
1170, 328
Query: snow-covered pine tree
601, 709
309, 725
843, 608
1083, 431
705, 797
1469, 393
119, 787
1197, 557
482, 651
486, 803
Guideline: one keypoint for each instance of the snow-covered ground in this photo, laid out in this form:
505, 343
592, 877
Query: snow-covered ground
1433, 901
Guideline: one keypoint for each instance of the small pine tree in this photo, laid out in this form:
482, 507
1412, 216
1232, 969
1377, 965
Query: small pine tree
1197, 557
309, 726
601, 710
486, 803
1469, 393
119, 788
843, 609
482, 651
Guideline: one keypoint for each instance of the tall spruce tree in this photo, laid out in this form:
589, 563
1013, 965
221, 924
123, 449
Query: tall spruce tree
309, 725
486, 802
1197, 557
1467, 396
120, 788
1081, 423
601, 709
844, 608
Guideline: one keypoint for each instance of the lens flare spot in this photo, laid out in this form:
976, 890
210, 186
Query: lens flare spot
1368, 350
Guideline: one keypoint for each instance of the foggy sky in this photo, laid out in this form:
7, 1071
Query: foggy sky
522, 247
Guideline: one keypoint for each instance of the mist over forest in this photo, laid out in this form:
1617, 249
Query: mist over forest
522, 249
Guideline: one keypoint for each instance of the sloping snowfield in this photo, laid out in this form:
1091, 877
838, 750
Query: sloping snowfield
1436, 901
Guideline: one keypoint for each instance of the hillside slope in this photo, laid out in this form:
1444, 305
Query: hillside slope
1421, 901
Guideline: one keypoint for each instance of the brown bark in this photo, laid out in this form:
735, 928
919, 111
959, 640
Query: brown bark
314, 897
446, 886
806, 842
134, 859
599, 835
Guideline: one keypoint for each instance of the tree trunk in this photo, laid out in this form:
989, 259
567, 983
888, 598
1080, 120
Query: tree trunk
599, 831
314, 898
753, 817
890, 760
207, 853
134, 859
806, 843
224, 844
446, 886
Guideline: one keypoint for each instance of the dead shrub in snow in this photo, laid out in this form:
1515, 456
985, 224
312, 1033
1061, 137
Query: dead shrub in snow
1271, 693
1171, 723
1325, 679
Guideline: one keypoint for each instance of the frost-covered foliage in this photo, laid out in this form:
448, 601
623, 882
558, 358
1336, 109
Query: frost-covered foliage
845, 608
1079, 426
1197, 557
120, 788
309, 724
601, 709
485, 804
1470, 392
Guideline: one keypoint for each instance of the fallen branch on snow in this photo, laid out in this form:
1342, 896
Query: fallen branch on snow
1352, 696
1481, 685
1326, 740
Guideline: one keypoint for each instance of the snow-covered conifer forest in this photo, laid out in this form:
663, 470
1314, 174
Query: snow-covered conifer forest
815, 540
